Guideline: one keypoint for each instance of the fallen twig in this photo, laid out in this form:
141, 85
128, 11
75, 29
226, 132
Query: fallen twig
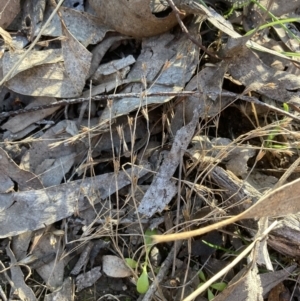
65, 102
185, 30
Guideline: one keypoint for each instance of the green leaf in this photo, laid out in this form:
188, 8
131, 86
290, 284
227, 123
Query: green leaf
285, 107
210, 295
202, 276
142, 284
131, 263
219, 286
279, 146
148, 234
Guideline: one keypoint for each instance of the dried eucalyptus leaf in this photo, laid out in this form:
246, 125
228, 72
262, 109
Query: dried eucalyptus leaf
9, 10
137, 18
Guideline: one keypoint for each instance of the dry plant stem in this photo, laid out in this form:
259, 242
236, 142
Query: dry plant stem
185, 30
178, 210
3, 270
108, 296
189, 245
287, 173
207, 284
2, 294
116, 164
6, 77
89, 152
89, 124
193, 233
162, 272
296, 286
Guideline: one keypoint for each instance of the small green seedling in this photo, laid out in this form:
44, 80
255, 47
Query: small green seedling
142, 284
131, 263
218, 286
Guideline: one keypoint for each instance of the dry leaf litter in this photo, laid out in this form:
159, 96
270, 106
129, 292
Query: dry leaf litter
176, 118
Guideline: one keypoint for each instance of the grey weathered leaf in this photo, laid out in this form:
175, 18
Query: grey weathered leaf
137, 18
19, 288
114, 266
163, 188
85, 27
46, 206
88, 279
